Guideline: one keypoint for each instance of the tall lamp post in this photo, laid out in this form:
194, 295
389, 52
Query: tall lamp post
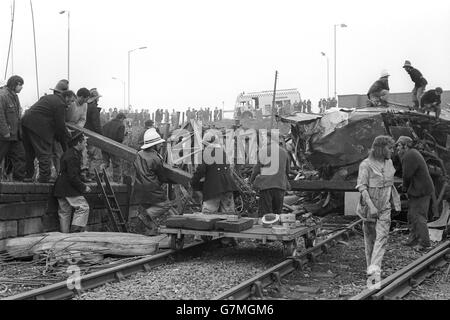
328, 74
68, 42
129, 59
342, 25
123, 84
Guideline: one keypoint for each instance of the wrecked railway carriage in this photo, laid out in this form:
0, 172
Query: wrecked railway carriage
335, 144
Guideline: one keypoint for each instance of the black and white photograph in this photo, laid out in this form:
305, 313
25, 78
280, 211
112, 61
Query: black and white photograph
224, 158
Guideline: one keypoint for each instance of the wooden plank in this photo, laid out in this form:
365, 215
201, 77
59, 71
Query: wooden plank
122, 244
174, 175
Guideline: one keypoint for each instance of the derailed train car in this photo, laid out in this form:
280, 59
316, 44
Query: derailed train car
335, 144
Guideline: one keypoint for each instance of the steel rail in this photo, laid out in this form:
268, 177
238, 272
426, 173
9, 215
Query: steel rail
67, 289
396, 285
255, 285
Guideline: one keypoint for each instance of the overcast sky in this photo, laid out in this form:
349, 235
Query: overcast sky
205, 52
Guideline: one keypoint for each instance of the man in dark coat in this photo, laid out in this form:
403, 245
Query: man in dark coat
431, 101
10, 128
42, 124
115, 130
218, 186
418, 184
93, 123
148, 191
379, 91
270, 176
420, 83
69, 188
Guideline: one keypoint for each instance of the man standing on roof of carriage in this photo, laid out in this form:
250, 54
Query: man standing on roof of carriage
420, 83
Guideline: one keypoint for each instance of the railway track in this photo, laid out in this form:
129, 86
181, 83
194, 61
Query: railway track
399, 284
255, 285
71, 287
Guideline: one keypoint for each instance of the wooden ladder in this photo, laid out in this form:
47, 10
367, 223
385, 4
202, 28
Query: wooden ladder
112, 205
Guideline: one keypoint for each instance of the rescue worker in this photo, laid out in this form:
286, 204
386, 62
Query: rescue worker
148, 191
213, 181
69, 188
10, 127
376, 185
76, 112
418, 184
431, 101
44, 124
115, 130
379, 91
270, 176
420, 83
93, 123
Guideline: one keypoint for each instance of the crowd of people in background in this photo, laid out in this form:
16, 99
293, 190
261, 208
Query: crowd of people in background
305, 106
162, 116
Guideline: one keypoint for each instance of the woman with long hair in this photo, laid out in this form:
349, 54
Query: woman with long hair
378, 194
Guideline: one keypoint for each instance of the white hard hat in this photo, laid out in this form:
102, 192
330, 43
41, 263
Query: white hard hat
384, 73
151, 138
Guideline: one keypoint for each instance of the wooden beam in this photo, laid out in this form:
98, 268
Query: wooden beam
174, 175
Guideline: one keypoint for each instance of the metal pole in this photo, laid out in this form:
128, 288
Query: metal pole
12, 39
129, 52
273, 101
328, 77
335, 91
68, 46
124, 95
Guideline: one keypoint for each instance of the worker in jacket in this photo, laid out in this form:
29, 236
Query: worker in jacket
69, 188
379, 91
418, 184
115, 130
42, 124
214, 180
420, 83
93, 123
11, 146
431, 101
147, 190
270, 176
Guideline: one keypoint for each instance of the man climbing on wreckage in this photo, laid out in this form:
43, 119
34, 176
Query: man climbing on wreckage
379, 91
148, 191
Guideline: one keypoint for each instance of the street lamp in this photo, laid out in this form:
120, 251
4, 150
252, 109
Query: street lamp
342, 25
68, 42
123, 84
129, 55
328, 74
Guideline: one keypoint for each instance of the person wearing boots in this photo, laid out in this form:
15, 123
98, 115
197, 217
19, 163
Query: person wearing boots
69, 188
418, 184
378, 197
148, 191
420, 83
10, 128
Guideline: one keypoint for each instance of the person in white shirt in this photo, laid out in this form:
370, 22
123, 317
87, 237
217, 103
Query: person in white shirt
76, 112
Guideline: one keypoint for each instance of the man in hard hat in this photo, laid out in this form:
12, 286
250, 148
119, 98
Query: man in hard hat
431, 101
420, 83
148, 191
379, 91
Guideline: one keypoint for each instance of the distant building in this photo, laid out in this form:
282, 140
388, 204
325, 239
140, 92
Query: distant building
248, 105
